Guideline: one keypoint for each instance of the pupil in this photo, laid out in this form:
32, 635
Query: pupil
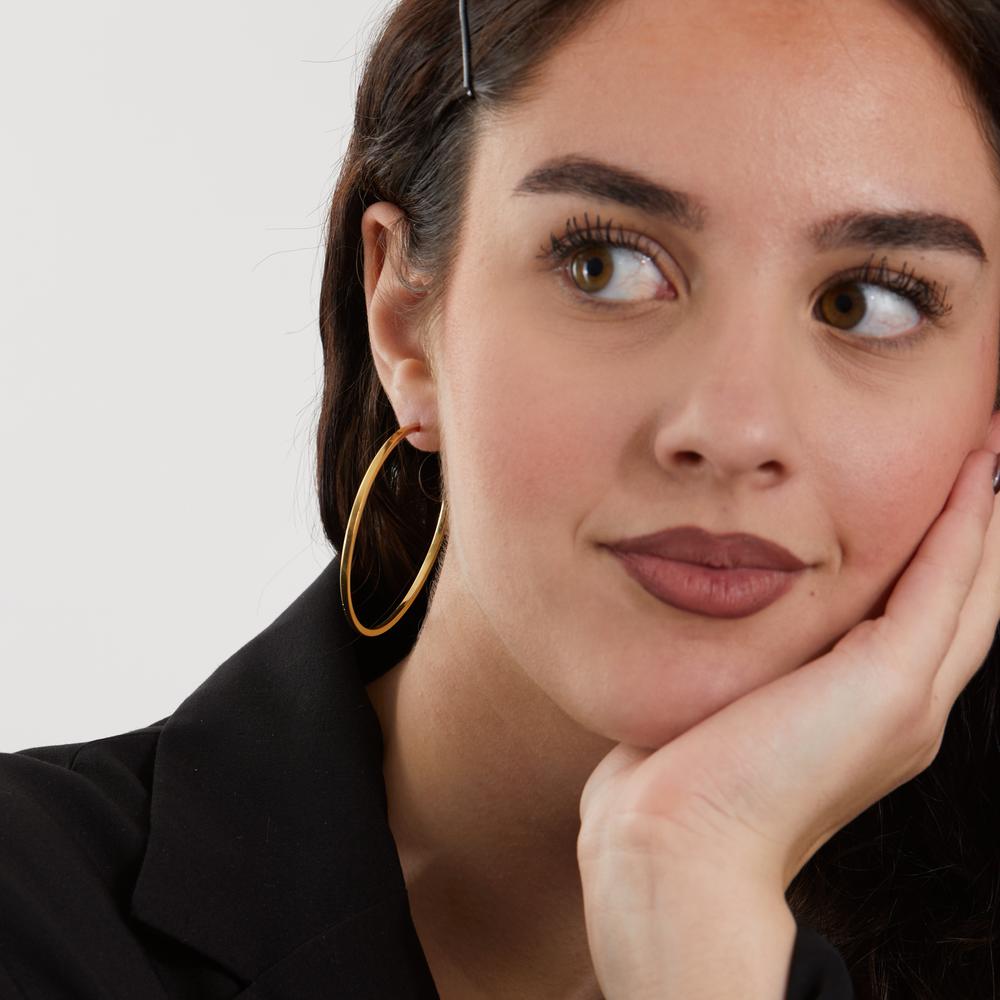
593, 267
843, 303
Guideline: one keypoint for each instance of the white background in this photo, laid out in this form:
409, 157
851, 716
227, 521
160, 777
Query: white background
164, 176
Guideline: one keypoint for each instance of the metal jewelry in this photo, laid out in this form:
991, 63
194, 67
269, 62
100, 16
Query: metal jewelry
350, 536
463, 17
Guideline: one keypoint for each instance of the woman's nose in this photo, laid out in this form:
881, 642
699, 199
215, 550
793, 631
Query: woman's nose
732, 411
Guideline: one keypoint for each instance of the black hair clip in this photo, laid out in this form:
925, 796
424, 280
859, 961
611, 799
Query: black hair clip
463, 16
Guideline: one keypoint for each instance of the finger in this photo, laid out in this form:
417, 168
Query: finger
977, 622
922, 615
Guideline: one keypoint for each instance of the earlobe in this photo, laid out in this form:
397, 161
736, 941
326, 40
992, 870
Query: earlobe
393, 330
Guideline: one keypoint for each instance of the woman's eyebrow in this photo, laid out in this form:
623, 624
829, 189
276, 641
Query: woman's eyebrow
574, 173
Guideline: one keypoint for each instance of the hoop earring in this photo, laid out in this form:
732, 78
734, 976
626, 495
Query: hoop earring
350, 535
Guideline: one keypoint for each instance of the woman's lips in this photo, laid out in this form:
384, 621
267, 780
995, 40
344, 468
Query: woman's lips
719, 593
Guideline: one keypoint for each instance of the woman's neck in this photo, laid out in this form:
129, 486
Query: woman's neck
483, 776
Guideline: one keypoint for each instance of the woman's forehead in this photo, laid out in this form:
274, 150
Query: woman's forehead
813, 106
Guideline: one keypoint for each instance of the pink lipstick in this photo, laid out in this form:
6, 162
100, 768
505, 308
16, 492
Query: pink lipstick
722, 576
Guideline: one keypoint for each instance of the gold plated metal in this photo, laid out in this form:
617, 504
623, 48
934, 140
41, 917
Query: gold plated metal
350, 536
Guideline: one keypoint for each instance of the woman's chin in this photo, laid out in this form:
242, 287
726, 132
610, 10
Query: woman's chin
647, 698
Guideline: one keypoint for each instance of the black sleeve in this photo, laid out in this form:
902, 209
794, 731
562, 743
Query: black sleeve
817, 970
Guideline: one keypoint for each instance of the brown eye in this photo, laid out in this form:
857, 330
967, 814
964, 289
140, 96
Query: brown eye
843, 305
591, 268
875, 310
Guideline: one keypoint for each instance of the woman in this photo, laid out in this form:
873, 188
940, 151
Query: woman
719, 271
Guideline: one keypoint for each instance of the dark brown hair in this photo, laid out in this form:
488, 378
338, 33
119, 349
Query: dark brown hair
907, 890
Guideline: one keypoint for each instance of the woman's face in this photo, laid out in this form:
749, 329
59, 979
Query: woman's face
700, 376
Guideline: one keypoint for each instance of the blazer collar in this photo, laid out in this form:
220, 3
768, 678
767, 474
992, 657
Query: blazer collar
269, 848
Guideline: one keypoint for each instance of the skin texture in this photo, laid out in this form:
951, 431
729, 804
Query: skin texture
682, 849
727, 405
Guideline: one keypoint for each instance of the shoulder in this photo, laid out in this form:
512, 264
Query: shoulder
242, 839
73, 825
79, 790
75, 802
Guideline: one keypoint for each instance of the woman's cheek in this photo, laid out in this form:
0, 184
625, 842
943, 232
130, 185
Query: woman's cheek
888, 498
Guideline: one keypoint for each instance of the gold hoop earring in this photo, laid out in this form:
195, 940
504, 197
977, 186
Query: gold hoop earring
350, 535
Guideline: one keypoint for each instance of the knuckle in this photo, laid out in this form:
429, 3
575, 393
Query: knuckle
928, 747
923, 733
901, 691
907, 706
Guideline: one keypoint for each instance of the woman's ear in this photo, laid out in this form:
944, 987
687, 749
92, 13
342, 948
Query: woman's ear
393, 330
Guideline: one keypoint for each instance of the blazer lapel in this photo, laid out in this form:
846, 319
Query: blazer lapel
269, 848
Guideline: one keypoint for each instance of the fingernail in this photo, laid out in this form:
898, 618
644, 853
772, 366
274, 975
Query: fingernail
996, 476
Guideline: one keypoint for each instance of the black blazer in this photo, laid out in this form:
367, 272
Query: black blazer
237, 848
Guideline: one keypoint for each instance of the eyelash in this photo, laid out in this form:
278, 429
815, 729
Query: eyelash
925, 295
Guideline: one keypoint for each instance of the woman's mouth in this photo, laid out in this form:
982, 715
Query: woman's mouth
706, 590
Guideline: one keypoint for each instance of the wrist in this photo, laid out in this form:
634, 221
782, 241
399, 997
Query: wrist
726, 940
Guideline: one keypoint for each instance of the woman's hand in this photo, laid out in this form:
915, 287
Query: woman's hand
734, 807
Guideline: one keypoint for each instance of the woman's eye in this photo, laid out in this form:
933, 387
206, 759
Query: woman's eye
874, 303
880, 311
616, 273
